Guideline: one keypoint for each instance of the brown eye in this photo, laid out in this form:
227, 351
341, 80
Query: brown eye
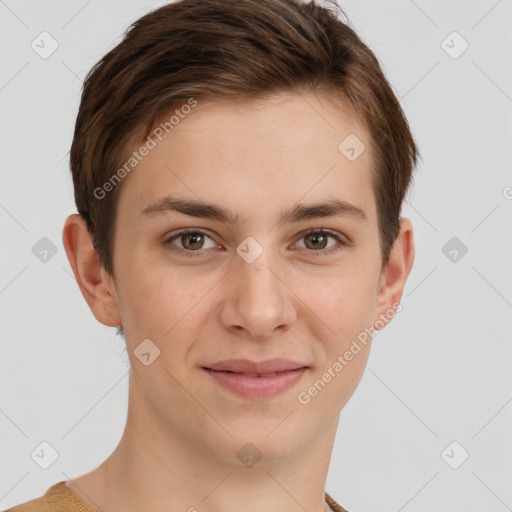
190, 241
317, 242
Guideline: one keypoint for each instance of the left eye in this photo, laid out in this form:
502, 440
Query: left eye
319, 239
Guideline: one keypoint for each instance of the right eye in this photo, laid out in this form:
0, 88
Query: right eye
191, 241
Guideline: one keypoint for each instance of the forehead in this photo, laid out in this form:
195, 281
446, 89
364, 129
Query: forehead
272, 152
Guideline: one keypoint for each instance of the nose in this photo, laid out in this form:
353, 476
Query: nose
259, 302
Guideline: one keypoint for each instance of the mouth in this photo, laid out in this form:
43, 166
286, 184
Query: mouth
257, 386
246, 373
249, 367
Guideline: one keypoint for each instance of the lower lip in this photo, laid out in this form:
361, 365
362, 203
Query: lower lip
257, 388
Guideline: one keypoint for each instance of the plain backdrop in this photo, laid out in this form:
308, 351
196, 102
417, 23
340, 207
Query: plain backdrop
429, 427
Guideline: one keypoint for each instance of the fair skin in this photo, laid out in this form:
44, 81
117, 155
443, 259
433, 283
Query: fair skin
183, 431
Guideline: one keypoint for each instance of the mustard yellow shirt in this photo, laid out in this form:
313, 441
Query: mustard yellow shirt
59, 497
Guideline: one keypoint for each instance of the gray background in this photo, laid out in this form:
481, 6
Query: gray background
440, 372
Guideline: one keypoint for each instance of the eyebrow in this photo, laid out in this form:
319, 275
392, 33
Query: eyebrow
301, 212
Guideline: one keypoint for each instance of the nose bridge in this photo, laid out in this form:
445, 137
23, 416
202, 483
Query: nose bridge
261, 302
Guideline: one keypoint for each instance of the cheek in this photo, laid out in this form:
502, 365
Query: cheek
160, 301
347, 308
344, 301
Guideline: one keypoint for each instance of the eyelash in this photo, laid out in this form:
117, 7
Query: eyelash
320, 252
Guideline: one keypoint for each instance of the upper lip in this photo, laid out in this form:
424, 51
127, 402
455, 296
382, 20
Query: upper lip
246, 366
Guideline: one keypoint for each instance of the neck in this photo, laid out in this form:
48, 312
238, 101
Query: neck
157, 468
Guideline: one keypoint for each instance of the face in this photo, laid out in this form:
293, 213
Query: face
279, 276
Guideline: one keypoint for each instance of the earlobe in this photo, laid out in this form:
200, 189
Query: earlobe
394, 276
89, 274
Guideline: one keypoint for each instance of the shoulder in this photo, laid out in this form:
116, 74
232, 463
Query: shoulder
56, 498
333, 504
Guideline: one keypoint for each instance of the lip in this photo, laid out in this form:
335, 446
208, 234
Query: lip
247, 366
231, 375
257, 388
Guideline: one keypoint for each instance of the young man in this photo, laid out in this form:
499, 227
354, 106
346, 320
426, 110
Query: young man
239, 169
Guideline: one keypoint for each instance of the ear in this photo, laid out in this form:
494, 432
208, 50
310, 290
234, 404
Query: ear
97, 287
394, 274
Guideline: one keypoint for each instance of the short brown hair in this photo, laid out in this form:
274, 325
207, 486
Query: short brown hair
231, 49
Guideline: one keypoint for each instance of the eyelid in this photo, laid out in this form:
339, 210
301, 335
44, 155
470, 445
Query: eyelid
340, 236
